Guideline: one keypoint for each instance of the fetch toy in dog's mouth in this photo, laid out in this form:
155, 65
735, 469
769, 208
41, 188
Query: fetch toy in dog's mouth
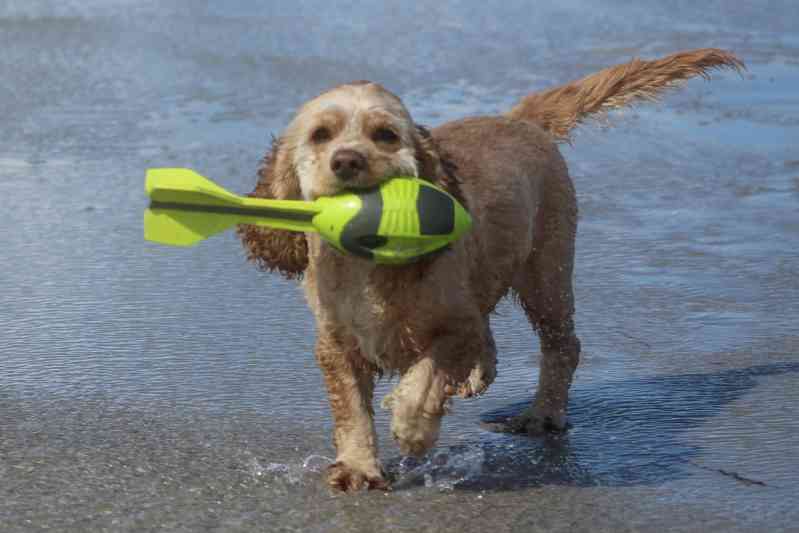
400, 221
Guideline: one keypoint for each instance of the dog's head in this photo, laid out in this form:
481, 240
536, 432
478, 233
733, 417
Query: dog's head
351, 137
354, 136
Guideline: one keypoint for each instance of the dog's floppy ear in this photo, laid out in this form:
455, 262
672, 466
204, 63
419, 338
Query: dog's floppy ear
274, 249
434, 166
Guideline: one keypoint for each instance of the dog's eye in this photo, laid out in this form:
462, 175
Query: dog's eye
321, 135
384, 135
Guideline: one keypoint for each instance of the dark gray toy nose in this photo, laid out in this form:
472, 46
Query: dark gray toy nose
346, 164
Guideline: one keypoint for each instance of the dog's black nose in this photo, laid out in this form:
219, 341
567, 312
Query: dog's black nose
346, 164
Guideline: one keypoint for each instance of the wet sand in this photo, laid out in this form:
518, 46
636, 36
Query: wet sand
146, 388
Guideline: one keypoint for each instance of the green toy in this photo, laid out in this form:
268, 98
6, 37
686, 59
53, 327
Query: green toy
401, 220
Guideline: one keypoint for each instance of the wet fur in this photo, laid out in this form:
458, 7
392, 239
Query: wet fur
429, 322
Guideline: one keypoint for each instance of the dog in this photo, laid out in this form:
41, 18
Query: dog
428, 322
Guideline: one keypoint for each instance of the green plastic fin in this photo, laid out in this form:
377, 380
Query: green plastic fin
182, 185
183, 228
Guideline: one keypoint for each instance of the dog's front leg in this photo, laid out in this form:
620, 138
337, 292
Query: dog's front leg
452, 364
417, 404
350, 384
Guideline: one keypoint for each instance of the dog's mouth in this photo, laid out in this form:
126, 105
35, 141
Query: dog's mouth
367, 183
362, 185
330, 186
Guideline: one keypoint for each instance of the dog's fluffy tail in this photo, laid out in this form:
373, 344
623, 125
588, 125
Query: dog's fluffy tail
561, 109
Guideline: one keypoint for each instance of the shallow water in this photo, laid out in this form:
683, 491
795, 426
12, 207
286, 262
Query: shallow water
151, 388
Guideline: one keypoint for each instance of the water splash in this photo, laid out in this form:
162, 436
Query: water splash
442, 469
299, 474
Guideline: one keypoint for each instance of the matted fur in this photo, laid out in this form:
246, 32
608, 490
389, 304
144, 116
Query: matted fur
271, 249
429, 322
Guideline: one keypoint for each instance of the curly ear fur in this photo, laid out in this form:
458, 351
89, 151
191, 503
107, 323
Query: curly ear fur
273, 249
434, 166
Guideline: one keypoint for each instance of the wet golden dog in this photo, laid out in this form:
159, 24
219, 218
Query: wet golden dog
429, 322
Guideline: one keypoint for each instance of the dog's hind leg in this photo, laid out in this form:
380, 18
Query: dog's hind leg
544, 288
350, 385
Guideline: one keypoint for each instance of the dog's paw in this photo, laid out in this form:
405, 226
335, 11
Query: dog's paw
478, 381
347, 478
415, 434
533, 421
387, 402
